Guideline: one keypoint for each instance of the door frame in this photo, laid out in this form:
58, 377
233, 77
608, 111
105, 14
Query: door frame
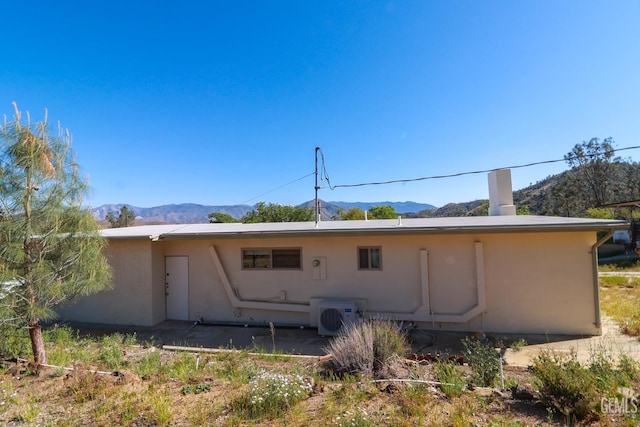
176, 308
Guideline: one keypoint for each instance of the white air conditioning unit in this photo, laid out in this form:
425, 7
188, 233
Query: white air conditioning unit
333, 315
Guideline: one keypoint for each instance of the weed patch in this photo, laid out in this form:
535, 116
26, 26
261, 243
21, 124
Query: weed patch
272, 394
196, 389
238, 388
452, 378
86, 386
619, 300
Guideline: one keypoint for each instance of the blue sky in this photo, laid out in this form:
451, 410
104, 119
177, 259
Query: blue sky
224, 102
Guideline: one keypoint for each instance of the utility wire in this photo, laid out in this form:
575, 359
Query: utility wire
277, 188
394, 181
324, 175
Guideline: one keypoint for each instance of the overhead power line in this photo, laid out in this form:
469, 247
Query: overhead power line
396, 181
324, 175
277, 188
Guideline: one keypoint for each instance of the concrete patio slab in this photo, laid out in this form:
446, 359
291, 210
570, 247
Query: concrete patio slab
306, 341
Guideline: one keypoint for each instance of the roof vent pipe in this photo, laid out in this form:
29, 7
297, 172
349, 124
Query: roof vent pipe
500, 193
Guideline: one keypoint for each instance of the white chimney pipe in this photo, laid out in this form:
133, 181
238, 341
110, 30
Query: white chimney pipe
500, 193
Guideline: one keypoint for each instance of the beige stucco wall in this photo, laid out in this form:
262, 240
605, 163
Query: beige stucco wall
534, 282
131, 300
543, 285
158, 306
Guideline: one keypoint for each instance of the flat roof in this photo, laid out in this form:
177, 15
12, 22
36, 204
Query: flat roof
446, 225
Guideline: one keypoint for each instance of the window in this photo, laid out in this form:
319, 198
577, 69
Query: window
280, 258
370, 258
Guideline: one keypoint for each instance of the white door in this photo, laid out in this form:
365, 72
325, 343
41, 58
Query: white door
177, 287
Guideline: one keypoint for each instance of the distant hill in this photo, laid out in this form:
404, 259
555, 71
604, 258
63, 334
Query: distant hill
557, 195
551, 196
191, 213
184, 213
473, 208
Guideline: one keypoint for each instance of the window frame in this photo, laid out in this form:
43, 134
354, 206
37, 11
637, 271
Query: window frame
369, 258
269, 251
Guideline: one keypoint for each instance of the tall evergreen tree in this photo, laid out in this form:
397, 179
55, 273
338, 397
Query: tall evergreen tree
50, 247
125, 218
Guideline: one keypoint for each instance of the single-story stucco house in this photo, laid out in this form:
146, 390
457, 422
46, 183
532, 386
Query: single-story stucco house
500, 273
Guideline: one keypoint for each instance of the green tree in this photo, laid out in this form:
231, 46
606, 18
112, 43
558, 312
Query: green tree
382, 212
51, 247
594, 172
219, 217
375, 212
600, 213
272, 212
125, 218
352, 214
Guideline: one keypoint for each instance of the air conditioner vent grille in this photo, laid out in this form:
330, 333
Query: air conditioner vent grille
331, 320
334, 315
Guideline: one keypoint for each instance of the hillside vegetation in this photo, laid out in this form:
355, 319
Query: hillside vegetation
564, 194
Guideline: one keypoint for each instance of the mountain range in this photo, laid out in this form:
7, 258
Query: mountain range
565, 194
191, 213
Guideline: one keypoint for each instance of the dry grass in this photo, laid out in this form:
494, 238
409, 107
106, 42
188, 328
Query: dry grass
147, 386
153, 387
619, 297
188, 389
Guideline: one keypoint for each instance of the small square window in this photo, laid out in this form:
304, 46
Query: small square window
370, 258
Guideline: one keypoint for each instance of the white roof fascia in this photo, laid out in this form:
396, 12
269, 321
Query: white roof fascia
485, 224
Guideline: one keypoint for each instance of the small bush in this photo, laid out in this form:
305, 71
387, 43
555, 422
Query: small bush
149, 364
565, 385
111, 352
161, 410
628, 368
605, 374
451, 376
60, 335
518, 344
185, 367
14, 342
196, 388
271, 395
27, 413
235, 367
368, 347
483, 359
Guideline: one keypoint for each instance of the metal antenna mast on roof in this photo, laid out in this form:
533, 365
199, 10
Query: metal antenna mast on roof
317, 211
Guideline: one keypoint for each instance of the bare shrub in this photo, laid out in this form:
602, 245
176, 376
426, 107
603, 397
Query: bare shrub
368, 347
